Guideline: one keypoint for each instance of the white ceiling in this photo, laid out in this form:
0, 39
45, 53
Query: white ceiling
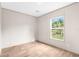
34, 8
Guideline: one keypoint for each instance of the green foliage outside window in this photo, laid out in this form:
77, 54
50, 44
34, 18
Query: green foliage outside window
57, 28
58, 34
58, 23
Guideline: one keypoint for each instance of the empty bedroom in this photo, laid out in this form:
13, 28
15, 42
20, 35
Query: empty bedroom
39, 29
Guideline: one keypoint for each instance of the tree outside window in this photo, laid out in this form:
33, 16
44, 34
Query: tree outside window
57, 28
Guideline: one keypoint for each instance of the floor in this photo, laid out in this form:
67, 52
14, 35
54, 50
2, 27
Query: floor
36, 49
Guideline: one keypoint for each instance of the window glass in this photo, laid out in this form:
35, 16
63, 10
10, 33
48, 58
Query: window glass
57, 28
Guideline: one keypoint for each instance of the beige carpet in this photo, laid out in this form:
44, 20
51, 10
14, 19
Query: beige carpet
35, 49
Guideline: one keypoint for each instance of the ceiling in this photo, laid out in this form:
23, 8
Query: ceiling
34, 8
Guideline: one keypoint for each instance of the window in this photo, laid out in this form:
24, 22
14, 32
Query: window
57, 28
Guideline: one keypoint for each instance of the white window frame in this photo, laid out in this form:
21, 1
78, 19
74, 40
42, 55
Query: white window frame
51, 37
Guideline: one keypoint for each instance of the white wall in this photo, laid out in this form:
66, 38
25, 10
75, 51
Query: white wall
0, 29
17, 28
71, 41
72, 27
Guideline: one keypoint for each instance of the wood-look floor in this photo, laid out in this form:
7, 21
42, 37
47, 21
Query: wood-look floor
35, 49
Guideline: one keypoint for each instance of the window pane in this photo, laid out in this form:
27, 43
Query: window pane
58, 34
58, 22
